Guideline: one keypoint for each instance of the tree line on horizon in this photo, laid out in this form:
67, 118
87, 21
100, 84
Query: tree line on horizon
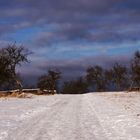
118, 77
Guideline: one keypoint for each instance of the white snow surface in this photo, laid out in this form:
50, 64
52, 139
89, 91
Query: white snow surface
92, 116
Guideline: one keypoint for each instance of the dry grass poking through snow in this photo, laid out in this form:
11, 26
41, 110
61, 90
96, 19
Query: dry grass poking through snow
16, 95
129, 101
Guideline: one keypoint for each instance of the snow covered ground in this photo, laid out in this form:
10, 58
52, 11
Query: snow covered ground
93, 116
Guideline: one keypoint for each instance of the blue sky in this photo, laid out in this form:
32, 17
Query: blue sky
71, 35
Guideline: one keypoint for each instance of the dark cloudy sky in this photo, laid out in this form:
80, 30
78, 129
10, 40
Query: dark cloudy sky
71, 34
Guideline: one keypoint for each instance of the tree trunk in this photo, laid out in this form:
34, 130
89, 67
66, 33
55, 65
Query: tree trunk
19, 85
53, 88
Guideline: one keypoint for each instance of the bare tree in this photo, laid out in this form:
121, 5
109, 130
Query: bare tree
120, 76
135, 69
14, 56
49, 81
44, 82
5, 73
54, 76
108, 74
95, 77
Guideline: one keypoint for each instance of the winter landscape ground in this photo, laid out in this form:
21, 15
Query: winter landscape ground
92, 116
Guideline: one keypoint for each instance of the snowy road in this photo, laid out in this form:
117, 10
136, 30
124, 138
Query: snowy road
68, 117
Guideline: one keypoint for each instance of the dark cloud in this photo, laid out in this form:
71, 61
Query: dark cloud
83, 32
91, 20
70, 69
77, 67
